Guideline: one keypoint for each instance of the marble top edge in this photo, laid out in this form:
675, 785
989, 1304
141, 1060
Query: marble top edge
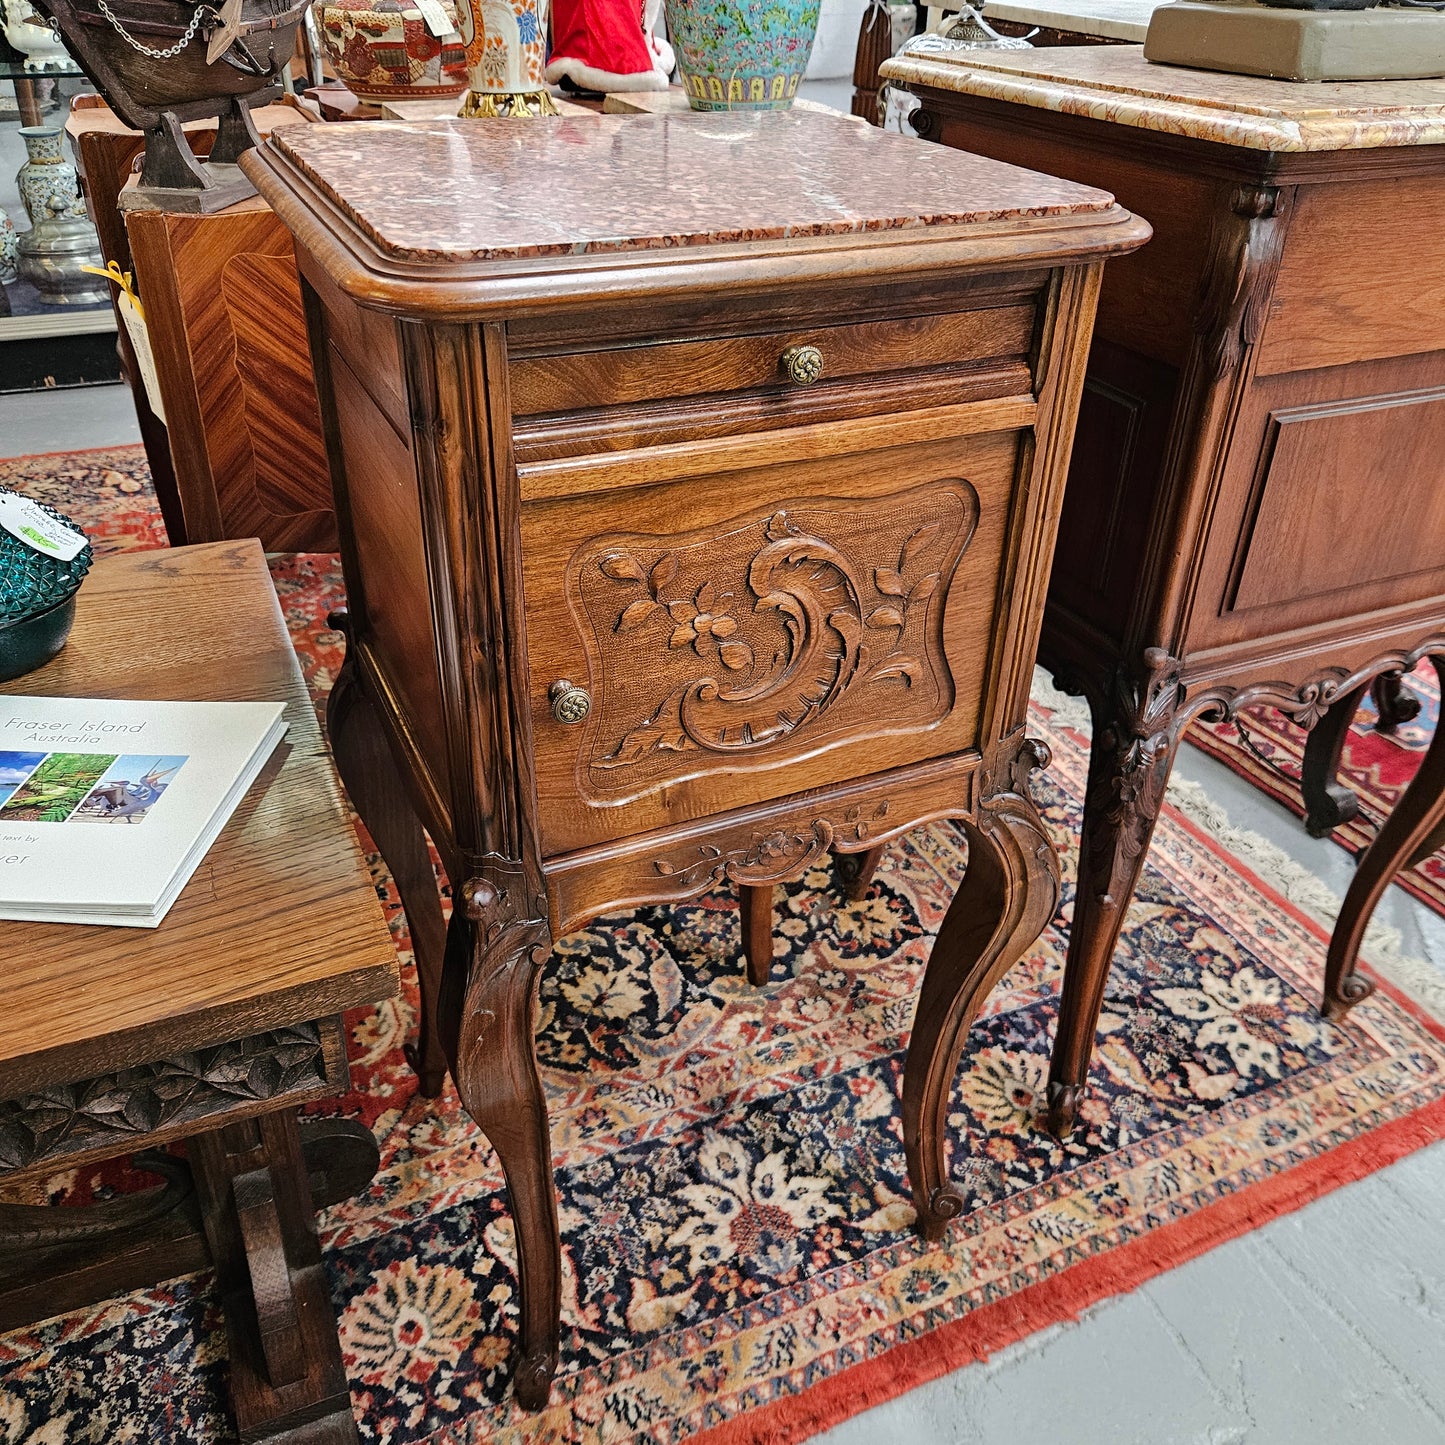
1116, 84
511, 189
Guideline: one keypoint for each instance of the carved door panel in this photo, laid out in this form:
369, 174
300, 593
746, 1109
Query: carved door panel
748, 636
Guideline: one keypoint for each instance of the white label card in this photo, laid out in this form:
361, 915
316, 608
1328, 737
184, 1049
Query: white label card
437, 20
22, 518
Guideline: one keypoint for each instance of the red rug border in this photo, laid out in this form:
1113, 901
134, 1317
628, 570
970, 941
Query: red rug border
1119, 1271
1116, 1272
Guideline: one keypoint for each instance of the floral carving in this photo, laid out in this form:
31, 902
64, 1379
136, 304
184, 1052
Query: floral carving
776, 854
819, 624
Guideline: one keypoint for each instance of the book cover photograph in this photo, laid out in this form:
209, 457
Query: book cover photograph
103, 787
108, 806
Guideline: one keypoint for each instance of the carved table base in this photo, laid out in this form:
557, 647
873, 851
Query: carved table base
1138, 723
479, 988
243, 1201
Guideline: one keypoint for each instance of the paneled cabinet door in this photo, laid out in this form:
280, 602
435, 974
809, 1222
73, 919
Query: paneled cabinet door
733, 637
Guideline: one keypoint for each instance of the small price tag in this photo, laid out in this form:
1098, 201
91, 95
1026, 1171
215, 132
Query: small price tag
437, 20
22, 518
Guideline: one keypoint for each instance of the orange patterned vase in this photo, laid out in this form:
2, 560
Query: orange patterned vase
386, 50
506, 44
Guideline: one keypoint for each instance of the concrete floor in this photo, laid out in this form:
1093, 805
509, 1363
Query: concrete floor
1326, 1327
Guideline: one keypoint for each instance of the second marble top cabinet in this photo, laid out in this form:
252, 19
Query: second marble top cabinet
697, 480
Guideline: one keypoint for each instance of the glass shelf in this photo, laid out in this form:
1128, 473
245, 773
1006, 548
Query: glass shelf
18, 70
43, 94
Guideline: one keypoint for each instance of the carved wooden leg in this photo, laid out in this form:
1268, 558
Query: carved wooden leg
1417, 822
1136, 733
1328, 803
57, 1258
859, 869
287, 1381
1394, 704
496, 1073
756, 901
364, 760
1008, 895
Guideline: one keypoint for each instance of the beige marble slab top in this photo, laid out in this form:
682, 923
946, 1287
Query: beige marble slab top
458, 190
1115, 83
1126, 20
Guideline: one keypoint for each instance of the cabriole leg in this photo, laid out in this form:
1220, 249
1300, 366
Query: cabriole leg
1393, 702
756, 904
859, 869
1328, 803
497, 1078
1411, 832
1136, 733
1008, 895
364, 760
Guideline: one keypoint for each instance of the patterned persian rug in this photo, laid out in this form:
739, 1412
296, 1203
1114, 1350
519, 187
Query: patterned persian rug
1268, 749
739, 1264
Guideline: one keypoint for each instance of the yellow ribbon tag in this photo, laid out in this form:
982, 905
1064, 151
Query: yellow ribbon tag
122, 279
128, 305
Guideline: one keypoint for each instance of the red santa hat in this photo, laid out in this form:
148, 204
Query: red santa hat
607, 45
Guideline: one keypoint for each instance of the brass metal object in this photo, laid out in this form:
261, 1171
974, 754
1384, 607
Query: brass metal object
486, 104
570, 704
803, 364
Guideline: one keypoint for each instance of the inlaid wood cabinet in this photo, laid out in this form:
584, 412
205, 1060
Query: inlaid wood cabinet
685, 541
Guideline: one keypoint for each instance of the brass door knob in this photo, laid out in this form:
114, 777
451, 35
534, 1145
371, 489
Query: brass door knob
803, 364
569, 704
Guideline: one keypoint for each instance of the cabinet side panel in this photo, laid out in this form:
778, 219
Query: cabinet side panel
1147, 297
1118, 455
385, 534
1333, 503
1352, 290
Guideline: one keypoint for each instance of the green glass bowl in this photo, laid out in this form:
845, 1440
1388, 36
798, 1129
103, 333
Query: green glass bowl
37, 601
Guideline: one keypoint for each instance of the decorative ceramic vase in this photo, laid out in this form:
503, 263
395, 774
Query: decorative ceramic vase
9, 251
384, 49
47, 181
33, 35
52, 253
742, 54
506, 44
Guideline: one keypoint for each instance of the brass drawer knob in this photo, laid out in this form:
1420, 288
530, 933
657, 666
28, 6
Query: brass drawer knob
803, 364
569, 704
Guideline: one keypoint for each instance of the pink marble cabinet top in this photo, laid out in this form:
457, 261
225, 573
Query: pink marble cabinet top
481, 190
1115, 83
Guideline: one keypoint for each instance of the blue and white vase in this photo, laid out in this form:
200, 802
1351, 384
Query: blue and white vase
9, 251
742, 54
48, 183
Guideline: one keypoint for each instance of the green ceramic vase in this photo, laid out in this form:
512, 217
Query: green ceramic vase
742, 54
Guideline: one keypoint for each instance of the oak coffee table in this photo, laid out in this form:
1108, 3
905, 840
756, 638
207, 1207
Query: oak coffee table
697, 479
211, 1028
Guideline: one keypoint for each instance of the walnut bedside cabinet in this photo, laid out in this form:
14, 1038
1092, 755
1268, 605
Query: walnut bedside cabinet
212, 1028
1256, 508
697, 479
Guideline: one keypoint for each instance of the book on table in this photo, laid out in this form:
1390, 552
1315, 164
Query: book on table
107, 807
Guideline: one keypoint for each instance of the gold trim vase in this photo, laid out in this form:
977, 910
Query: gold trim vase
506, 44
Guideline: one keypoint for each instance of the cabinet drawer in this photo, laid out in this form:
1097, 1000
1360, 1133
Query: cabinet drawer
723, 366
752, 635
